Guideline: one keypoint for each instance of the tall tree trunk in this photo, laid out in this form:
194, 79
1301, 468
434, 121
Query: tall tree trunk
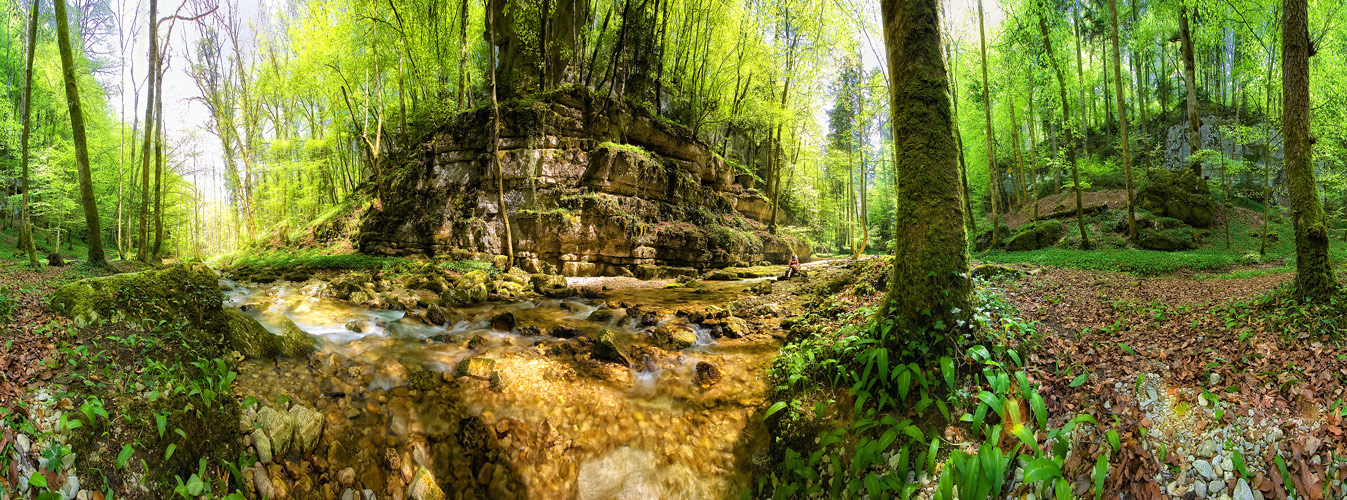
143, 250
958, 141
930, 285
1080, 80
1122, 121
463, 53
1314, 271
987, 113
1033, 147
158, 172
1022, 191
1267, 154
25, 222
1190, 78
1066, 124
495, 150
91, 223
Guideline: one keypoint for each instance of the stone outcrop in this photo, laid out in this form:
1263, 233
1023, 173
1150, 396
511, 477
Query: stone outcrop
592, 187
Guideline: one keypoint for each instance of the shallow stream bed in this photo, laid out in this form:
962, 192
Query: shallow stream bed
548, 421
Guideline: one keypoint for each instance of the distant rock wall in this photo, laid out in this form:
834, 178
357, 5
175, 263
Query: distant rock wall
593, 187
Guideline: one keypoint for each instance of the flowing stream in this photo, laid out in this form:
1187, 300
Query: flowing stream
548, 423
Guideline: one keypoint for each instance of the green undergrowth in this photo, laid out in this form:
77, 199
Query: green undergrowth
1219, 250
298, 265
852, 418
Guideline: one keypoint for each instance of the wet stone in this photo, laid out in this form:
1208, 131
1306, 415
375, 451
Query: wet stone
480, 368
707, 374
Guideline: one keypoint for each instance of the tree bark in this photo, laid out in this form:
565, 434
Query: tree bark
987, 113
930, 290
143, 250
158, 171
1190, 78
91, 223
1314, 272
25, 222
1122, 122
1066, 124
958, 141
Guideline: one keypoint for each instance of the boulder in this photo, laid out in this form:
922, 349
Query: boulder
1034, 236
982, 241
183, 294
549, 285
991, 271
1167, 240
308, 427
675, 336
722, 275
279, 426
734, 327
468, 290
252, 340
607, 349
601, 315
1178, 194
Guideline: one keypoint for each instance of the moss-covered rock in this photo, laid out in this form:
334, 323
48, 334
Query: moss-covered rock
1033, 236
607, 349
982, 241
186, 294
470, 288
1168, 240
251, 339
1180, 195
989, 271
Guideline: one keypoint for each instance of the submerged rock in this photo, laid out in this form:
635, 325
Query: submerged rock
707, 374
423, 486
503, 322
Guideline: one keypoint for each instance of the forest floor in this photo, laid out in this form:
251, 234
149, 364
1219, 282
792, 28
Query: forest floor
1191, 370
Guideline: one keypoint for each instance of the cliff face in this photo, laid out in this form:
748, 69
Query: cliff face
592, 187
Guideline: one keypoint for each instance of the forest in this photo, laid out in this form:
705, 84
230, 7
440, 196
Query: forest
649, 249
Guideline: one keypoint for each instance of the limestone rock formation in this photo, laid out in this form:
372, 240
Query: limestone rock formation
592, 187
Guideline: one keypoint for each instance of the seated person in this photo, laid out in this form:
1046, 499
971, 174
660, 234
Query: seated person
793, 267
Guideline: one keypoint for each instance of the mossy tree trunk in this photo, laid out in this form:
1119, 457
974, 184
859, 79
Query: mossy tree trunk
1122, 123
25, 221
1190, 80
987, 113
930, 286
91, 222
1314, 272
1066, 125
143, 250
